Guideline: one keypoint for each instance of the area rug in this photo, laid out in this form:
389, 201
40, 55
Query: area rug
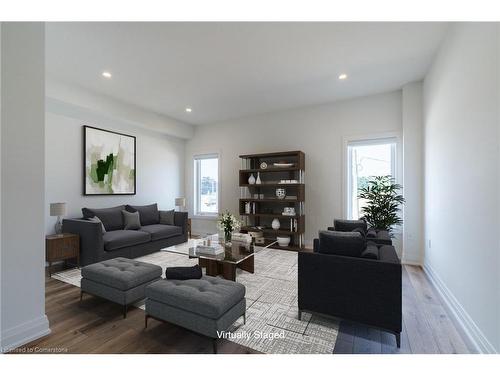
272, 325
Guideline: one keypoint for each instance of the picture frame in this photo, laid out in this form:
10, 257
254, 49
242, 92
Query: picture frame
109, 162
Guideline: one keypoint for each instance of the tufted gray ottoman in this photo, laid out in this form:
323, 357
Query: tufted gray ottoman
119, 280
207, 305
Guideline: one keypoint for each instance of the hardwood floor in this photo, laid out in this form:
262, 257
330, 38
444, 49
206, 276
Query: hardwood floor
97, 326
427, 326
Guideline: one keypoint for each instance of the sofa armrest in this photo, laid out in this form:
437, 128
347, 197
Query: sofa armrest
330, 228
91, 241
359, 289
316, 245
181, 220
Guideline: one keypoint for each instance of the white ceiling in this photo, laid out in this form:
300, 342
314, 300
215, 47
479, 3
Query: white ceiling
230, 70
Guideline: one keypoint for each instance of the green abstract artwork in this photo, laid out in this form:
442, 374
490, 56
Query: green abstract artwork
109, 162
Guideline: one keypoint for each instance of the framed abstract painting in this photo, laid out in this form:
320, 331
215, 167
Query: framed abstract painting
109, 162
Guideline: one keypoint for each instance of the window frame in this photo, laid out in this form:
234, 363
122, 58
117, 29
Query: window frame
196, 186
396, 162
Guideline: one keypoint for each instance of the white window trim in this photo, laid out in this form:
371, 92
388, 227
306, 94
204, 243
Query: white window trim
196, 214
368, 139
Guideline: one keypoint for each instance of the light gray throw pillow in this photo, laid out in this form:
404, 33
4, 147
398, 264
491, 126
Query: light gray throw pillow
95, 219
167, 217
131, 220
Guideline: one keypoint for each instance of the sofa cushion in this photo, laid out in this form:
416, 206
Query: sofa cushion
387, 253
209, 296
342, 225
167, 217
371, 233
349, 244
95, 219
360, 231
121, 273
111, 218
384, 237
371, 251
148, 214
131, 220
160, 231
117, 239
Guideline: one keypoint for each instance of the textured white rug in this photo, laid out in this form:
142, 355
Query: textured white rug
271, 292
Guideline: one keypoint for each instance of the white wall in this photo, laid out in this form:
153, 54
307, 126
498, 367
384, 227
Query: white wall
160, 158
412, 173
22, 184
462, 178
318, 131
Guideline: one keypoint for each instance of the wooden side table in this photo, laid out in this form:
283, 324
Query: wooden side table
62, 247
189, 227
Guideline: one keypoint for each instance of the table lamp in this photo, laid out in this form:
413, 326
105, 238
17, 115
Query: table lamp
59, 210
180, 202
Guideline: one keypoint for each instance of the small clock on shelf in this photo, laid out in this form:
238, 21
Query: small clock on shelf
263, 165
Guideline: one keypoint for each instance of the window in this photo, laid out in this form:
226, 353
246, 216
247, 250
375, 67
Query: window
206, 185
365, 159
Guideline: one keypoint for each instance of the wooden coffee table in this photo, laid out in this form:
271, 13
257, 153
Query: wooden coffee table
237, 255
226, 267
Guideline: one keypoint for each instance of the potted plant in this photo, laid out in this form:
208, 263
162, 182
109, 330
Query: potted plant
383, 202
228, 224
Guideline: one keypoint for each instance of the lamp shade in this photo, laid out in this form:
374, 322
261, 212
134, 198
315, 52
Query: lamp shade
57, 209
181, 202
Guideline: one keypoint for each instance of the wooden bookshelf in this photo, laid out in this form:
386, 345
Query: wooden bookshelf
259, 204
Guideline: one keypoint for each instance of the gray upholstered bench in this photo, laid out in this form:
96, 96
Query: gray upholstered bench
120, 280
206, 306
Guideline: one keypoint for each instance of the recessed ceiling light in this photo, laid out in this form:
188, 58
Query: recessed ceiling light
343, 76
106, 74
189, 109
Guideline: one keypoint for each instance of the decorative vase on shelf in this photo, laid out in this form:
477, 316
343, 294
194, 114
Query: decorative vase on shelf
258, 181
281, 193
251, 179
275, 224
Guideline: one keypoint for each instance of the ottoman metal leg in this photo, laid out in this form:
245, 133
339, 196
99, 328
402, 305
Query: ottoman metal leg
81, 295
146, 317
245, 318
124, 311
215, 345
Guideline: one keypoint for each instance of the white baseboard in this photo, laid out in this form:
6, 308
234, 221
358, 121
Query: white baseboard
475, 335
24, 333
411, 262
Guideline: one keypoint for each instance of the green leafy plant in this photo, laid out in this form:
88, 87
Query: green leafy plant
383, 202
228, 224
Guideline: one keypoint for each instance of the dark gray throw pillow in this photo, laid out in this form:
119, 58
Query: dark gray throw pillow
167, 217
149, 214
183, 273
343, 225
371, 252
361, 231
95, 219
131, 220
349, 244
111, 217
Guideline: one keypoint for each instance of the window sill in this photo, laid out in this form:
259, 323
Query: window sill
205, 217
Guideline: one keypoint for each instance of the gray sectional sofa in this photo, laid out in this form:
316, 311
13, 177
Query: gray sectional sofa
158, 229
